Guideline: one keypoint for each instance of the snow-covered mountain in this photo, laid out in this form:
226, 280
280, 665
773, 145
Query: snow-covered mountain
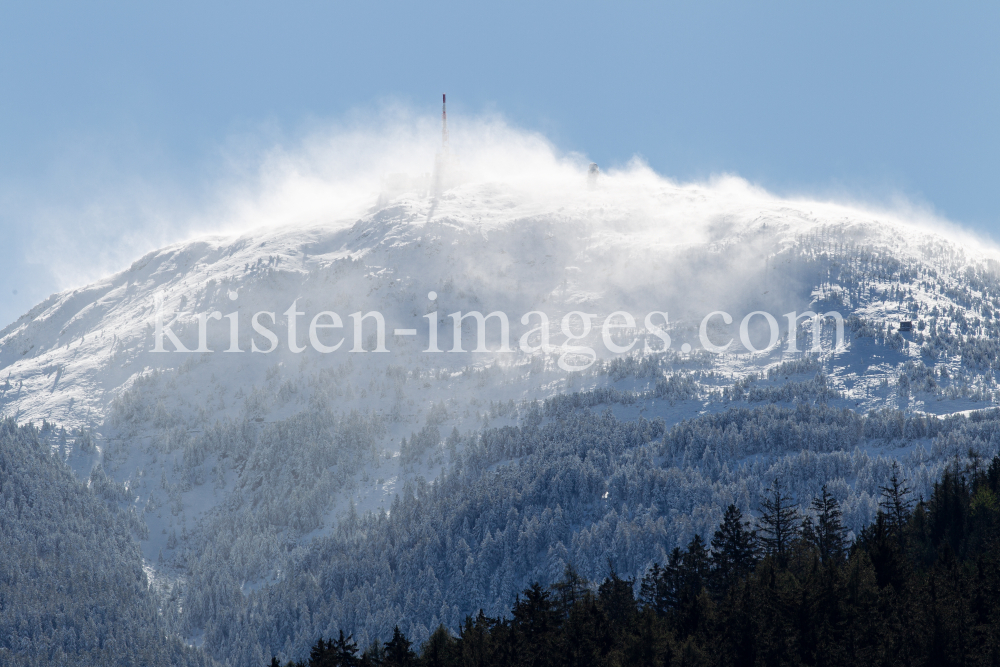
636, 244
413, 487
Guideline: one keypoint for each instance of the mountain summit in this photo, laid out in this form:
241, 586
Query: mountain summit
455, 394
636, 244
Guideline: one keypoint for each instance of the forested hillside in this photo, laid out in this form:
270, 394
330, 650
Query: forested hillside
517, 505
72, 586
918, 586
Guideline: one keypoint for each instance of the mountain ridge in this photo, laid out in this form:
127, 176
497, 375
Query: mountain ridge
299, 253
255, 474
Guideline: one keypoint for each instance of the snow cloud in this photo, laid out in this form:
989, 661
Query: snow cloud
337, 173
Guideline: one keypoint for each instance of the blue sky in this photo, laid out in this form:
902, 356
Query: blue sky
109, 110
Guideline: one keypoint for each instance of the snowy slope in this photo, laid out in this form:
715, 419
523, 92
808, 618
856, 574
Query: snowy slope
238, 462
636, 244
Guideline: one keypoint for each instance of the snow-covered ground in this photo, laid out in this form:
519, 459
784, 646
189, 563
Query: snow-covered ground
635, 244
190, 439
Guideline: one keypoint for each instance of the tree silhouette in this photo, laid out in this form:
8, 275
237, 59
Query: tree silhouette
734, 549
778, 517
398, 652
895, 502
345, 651
830, 533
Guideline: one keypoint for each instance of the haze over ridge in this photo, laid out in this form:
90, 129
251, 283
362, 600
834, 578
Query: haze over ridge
324, 175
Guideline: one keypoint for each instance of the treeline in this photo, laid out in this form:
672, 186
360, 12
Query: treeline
918, 586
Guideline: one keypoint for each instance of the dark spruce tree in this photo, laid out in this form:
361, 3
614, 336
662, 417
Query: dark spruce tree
345, 651
896, 503
734, 550
398, 652
534, 624
778, 519
440, 649
374, 655
830, 535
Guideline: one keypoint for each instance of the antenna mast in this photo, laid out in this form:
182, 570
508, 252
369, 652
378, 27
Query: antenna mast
444, 122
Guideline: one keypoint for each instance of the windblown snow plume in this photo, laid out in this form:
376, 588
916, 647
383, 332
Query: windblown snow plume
397, 383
